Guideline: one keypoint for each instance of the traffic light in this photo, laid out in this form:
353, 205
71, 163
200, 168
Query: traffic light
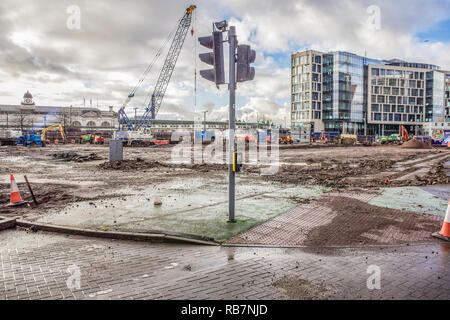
214, 58
245, 56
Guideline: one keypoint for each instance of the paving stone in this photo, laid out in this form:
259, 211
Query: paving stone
405, 272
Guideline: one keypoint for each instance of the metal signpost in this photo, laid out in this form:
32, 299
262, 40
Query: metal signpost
232, 125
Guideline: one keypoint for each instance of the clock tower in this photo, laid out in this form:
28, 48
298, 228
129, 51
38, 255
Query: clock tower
27, 102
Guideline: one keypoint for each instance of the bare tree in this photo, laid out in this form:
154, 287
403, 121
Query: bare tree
21, 120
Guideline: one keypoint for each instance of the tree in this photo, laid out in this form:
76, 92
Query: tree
22, 120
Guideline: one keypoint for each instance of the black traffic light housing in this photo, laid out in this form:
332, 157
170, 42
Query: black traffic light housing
245, 56
214, 58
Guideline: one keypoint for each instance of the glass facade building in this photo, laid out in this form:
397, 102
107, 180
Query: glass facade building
344, 85
347, 93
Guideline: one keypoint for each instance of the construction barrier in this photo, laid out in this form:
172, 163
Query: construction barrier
16, 198
444, 234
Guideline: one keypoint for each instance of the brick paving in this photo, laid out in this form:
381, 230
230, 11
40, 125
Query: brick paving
292, 228
34, 266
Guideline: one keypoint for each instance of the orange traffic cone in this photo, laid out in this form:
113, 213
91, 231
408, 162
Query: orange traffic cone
16, 199
444, 234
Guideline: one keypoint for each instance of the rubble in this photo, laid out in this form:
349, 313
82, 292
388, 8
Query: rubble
126, 165
75, 157
138, 163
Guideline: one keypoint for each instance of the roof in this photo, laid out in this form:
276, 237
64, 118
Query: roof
46, 109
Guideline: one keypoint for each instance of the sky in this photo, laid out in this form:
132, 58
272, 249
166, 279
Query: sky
43, 50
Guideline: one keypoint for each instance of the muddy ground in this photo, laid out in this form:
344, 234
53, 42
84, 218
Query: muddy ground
357, 222
63, 174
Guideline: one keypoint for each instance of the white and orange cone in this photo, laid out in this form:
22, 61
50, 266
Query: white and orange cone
16, 199
444, 234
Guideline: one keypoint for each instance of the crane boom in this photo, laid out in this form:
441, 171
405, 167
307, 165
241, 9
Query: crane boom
164, 76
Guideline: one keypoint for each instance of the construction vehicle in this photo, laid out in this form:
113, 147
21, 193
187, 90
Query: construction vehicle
30, 140
405, 136
286, 140
92, 139
285, 137
59, 127
396, 138
138, 132
393, 138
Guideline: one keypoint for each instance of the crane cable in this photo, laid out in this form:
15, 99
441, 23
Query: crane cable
146, 101
195, 63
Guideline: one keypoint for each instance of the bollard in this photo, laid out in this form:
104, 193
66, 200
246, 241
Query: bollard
115, 150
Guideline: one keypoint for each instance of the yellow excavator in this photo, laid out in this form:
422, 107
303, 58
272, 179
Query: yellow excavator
54, 127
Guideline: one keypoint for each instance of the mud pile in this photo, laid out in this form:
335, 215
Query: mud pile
47, 195
138, 163
126, 165
75, 157
436, 175
415, 144
330, 174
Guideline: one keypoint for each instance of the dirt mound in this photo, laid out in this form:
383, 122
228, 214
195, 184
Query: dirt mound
139, 163
330, 174
75, 157
415, 144
357, 222
48, 196
125, 165
301, 289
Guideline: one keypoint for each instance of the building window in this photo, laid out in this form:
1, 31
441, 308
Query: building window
105, 124
91, 124
76, 124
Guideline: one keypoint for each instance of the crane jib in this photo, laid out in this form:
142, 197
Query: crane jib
164, 76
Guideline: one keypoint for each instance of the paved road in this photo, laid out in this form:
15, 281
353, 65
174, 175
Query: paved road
34, 266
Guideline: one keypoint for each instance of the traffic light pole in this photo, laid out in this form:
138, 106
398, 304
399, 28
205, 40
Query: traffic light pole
232, 124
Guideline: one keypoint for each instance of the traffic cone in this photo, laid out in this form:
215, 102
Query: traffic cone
444, 234
16, 199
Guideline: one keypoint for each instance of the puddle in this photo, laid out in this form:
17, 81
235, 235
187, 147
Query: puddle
441, 191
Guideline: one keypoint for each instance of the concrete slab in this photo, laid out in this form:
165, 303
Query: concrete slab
193, 206
412, 199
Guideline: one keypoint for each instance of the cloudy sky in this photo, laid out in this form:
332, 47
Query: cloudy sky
104, 59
